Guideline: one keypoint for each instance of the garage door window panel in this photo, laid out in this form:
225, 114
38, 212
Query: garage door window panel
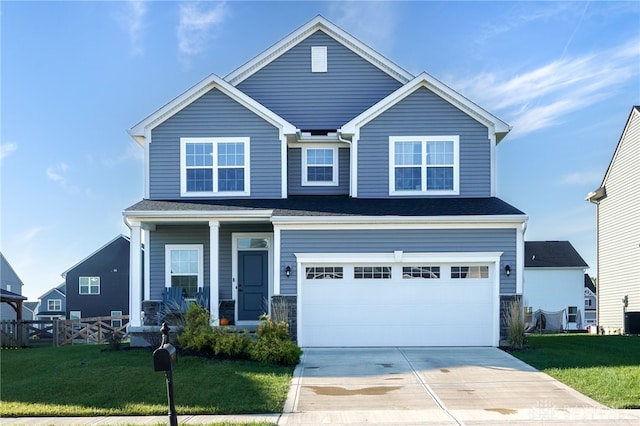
469, 272
425, 272
372, 272
324, 272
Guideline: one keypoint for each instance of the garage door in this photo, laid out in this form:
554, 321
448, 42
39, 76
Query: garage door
398, 304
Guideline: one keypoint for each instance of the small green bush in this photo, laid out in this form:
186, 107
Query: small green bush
274, 344
197, 335
232, 344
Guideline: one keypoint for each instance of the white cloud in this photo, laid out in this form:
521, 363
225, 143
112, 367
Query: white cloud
523, 13
7, 149
131, 18
582, 178
58, 173
196, 24
372, 22
27, 236
542, 97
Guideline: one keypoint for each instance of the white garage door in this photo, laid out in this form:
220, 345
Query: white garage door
398, 304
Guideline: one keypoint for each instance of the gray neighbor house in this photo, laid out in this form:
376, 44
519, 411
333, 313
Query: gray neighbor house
98, 285
322, 175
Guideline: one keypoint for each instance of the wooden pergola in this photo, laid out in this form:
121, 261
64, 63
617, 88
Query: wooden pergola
14, 300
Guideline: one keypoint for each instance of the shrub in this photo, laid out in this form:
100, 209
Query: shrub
197, 334
232, 344
274, 344
514, 319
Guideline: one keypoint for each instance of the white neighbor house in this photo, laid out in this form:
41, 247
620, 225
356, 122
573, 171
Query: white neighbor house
554, 281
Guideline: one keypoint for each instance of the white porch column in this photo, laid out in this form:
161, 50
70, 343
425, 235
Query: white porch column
214, 256
135, 275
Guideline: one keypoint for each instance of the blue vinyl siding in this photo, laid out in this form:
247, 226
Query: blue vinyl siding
423, 113
388, 241
214, 115
174, 234
295, 175
53, 295
196, 234
319, 100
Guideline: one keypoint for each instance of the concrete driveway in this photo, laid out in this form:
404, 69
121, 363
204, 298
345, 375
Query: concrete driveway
448, 386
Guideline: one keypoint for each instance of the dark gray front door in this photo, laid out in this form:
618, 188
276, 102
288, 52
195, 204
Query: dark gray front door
253, 284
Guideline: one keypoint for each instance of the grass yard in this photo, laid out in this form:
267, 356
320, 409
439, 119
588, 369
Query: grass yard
605, 368
84, 380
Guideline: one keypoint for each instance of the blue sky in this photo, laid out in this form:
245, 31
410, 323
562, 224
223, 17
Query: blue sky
77, 75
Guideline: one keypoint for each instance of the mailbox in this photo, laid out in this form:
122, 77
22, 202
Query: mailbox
164, 357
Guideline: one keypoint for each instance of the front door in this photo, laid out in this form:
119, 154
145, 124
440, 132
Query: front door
253, 284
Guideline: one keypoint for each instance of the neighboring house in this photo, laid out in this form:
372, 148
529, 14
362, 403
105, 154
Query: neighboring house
10, 292
590, 302
98, 286
618, 229
53, 304
29, 310
554, 281
321, 175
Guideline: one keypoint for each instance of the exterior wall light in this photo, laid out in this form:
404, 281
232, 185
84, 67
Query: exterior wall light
507, 270
287, 271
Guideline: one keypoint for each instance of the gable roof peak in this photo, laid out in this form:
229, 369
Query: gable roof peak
140, 131
318, 23
497, 126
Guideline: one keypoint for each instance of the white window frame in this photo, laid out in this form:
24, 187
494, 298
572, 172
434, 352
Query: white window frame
215, 143
319, 59
116, 323
306, 165
424, 166
177, 247
51, 307
75, 315
89, 287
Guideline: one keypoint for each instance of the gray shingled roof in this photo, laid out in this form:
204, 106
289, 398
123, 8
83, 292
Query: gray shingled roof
552, 254
340, 206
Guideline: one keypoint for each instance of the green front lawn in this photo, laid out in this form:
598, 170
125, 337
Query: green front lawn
84, 380
605, 368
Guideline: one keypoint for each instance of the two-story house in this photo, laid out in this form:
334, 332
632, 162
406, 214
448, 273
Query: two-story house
618, 233
53, 304
323, 175
98, 285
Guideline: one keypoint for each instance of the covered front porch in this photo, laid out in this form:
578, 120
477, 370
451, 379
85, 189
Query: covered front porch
224, 260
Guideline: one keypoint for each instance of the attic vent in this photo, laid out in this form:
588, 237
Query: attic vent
318, 58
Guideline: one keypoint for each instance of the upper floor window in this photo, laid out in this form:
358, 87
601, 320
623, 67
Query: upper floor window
89, 285
54, 305
320, 166
214, 166
424, 165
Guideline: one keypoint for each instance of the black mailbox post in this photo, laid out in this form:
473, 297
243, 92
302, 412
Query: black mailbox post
163, 360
